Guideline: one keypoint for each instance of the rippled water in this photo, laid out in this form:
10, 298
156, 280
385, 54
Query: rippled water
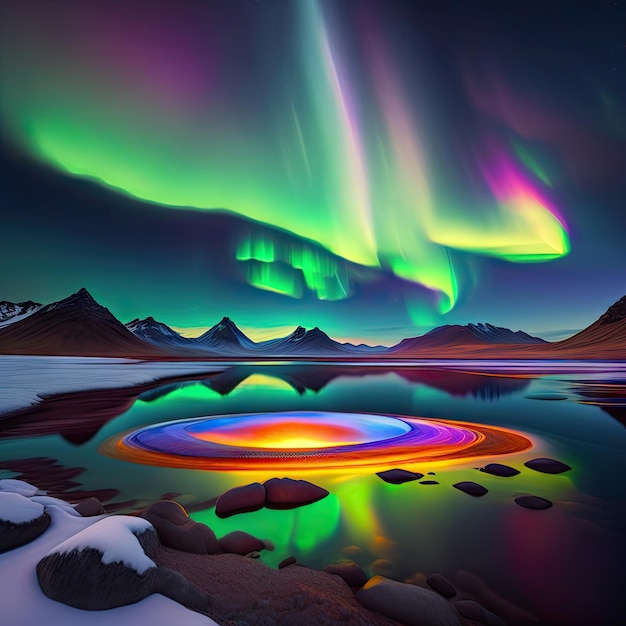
558, 566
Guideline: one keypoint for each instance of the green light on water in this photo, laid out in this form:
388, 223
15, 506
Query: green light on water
301, 531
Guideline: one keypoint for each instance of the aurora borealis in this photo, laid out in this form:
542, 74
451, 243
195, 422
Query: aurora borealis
372, 168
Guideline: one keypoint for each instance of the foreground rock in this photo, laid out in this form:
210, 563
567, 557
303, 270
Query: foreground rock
408, 604
90, 507
398, 476
109, 564
21, 520
283, 493
441, 585
478, 613
177, 530
241, 500
352, 573
547, 466
239, 542
246, 591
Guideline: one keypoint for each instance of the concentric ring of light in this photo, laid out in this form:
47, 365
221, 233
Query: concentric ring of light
308, 440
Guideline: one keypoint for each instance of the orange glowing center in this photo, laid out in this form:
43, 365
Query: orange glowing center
285, 434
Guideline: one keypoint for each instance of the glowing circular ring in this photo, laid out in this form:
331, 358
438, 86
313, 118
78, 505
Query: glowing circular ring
309, 440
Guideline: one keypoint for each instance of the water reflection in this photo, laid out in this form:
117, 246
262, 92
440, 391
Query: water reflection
78, 417
526, 565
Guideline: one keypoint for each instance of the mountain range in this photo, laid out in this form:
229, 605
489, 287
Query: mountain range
80, 326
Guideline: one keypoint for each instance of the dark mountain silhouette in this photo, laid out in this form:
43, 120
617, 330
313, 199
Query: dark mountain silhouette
606, 336
472, 334
79, 326
74, 326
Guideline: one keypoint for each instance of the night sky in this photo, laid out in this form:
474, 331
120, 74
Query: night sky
374, 168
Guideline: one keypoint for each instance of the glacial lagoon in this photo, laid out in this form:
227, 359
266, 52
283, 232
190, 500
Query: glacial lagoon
561, 565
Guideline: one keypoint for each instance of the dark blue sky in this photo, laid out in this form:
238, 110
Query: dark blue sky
90, 170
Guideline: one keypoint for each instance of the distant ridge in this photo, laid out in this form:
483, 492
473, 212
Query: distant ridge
472, 334
158, 333
79, 326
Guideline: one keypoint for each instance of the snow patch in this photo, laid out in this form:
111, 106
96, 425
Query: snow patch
18, 486
24, 604
48, 501
27, 380
18, 509
115, 537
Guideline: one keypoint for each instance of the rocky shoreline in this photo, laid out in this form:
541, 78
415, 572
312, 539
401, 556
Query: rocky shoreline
117, 560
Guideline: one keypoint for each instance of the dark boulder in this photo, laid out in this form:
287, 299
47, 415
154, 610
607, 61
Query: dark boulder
441, 585
78, 575
90, 507
498, 469
239, 542
241, 500
177, 530
349, 571
408, 604
290, 560
287, 493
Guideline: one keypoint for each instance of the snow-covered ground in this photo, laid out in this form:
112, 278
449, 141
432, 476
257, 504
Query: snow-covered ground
22, 603
27, 380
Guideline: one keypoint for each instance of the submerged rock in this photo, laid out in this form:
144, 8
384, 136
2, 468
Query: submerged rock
547, 466
408, 604
473, 489
536, 503
398, 476
498, 469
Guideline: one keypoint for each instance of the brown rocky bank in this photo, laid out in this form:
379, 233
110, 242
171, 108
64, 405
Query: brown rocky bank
240, 588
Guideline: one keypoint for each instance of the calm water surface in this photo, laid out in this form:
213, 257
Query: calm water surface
558, 566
